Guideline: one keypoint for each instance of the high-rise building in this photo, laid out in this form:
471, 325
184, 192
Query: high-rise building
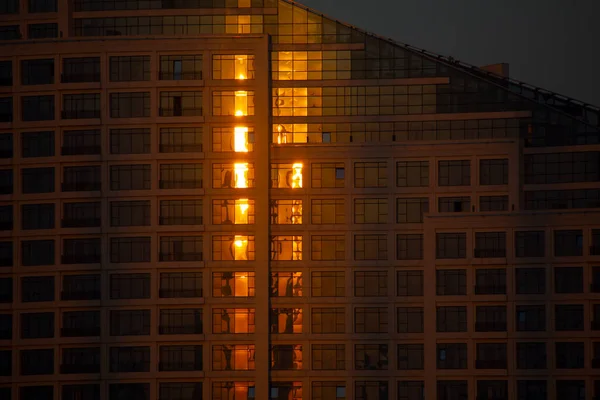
245, 199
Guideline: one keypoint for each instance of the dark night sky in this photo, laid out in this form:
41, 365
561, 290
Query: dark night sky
554, 44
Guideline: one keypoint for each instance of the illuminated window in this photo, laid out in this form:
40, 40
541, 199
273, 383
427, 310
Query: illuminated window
297, 65
243, 23
370, 211
286, 248
297, 102
286, 212
286, 176
327, 211
233, 320
370, 247
237, 103
286, 320
232, 176
238, 212
239, 139
290, 133
233, 247
328, 175
233, 284
328, 247
233, 67
286, 284
239, 357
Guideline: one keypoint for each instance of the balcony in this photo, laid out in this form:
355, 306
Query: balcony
179, 112
79, 369
80, 295
81, 150
81, 223
490, 364
185, 184
490, 289
80, 332
80, 259
181, 220
181, 366
483, 326
180, 330
180, 148
81, 186
174, 294
595, 250
80, 78
490, 253
80, 114
180, 256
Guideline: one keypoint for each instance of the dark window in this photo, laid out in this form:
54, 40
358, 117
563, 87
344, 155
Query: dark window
81, 69
490, 281
37, 144
177, 104
371, 390
328, 357
568, 243
569, 317
371, 320
81, 178
490, 244
328, 320
181, 140
451, 245
131, 391
411, 210
184, 67
130, 141
411, 356
327, 284
531, 355
454, 204
181, 248
6, 140
370, 284
180, 358
371, 356
129, 249
129, 286
38, 325
595, 247
6, 109
451, 319
570, 355
570, 390
562, 167
37, 180
493, 172
180, 284
129, 359
409, 283
492, 389
490, 319
85, 391
6, 73
328, 390
37, 72
81, 287
81, 215
130, 105
493, 203
37, 392
451, 282
129, 68
80, 360
9, 7
6, 218
42, 6
81, 142
6, 181
412, 173
180, 212
285, 357
568, 279
410, 319
37, 252
530, 244
530, 318
37, 288
10, 32
6, 326
6, 254
180, 390
37, 216
411, 390
6, 290
491, 356
130, 213
130, 177
409, 246
80, 323
180, 176
452, 390
81, 106
42, 31
180, 321
530, 280
81, 251
5, 364
129, 322
532, 390
37, 108
452, 356
370, 174
562, 199
454, 173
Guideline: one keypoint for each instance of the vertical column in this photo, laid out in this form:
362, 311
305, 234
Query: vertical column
262, 113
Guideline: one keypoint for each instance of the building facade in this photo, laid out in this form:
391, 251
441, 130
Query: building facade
245, 199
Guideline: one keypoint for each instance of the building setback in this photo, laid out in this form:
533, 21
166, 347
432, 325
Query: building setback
245, 199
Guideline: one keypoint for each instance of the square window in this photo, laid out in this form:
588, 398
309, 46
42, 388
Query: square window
340, 173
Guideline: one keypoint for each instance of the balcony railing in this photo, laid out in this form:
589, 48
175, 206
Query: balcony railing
81, 186
490, 364
80, 332
79, 369
180, 257
80, 78
181, 148
174, 294
490, 326
490, 253
180, 112
180, 330
81, 222
81, 259
187, 184
181, 220
80, 150
182, 366
80, 295
490, 289
80, 114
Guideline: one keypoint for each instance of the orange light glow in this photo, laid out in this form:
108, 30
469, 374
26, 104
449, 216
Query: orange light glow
240, 171
297, 176
240, 139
